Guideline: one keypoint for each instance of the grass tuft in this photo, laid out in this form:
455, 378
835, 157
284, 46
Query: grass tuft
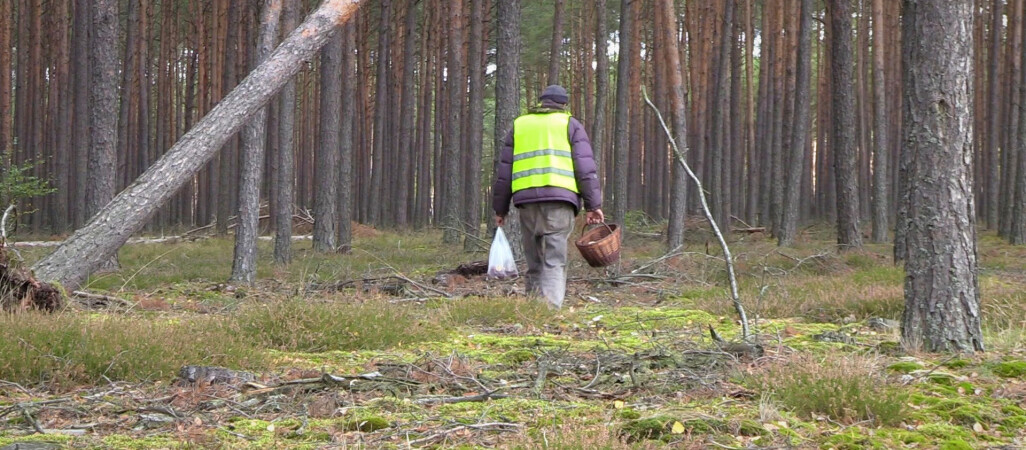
308, 326
847, 390
69, 349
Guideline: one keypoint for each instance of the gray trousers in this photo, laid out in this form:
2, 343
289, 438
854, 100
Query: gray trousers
546, 227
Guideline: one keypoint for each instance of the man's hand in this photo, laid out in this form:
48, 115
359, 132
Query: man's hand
499, 220
595, 217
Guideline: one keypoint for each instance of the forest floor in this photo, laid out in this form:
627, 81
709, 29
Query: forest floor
376, 349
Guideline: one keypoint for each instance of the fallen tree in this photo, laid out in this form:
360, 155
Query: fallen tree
72, 262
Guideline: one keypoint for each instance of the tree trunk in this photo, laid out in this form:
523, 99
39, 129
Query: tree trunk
881, 188
6, 135
104, 96
598, 123
942, 302
845, 170
457, 91
326, 173
347, 140
406, 124
380, 115
286, 194
88, 247
475, 123
1009, 156
719, 150
225, 175
80, 129
254, 139
671, 56
800, 129
620, 162
556, 46
507, 97
992, 167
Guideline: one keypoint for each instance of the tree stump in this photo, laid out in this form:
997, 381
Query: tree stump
20, 291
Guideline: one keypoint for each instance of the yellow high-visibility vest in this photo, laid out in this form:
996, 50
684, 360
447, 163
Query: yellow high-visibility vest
541, 152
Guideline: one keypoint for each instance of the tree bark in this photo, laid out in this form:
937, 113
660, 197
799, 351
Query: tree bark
942, 303
800, 129
845, 170
71, 263
254, 139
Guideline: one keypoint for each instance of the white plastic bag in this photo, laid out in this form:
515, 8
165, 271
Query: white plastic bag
501, 264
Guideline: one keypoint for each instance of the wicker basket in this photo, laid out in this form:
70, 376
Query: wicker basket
600, 246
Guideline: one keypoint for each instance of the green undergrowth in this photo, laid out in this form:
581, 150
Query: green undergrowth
662, 381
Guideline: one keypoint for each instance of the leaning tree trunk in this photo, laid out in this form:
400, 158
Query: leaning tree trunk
942, 301
72, 262
254, 137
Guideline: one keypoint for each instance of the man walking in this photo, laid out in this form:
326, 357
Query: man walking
546, 168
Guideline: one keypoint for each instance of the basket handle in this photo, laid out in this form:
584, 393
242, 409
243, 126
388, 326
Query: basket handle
584, 226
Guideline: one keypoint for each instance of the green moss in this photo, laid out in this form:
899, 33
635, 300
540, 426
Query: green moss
57, 439
628, 414
704, 425
366, 424
941, 378
126, 442
1010, 369
955, 444
517, 357
748, 427
938, 431
849, 440
905, 437
956, 364
650, 428
905, 366
889, 348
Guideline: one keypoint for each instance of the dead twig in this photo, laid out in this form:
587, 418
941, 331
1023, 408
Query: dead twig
494, 426
98, 298
708, 214
462, 399
32, 421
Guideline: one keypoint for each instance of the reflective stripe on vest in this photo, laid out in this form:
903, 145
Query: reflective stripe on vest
541, 152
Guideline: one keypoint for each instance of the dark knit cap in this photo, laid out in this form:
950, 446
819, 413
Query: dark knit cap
555, 93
